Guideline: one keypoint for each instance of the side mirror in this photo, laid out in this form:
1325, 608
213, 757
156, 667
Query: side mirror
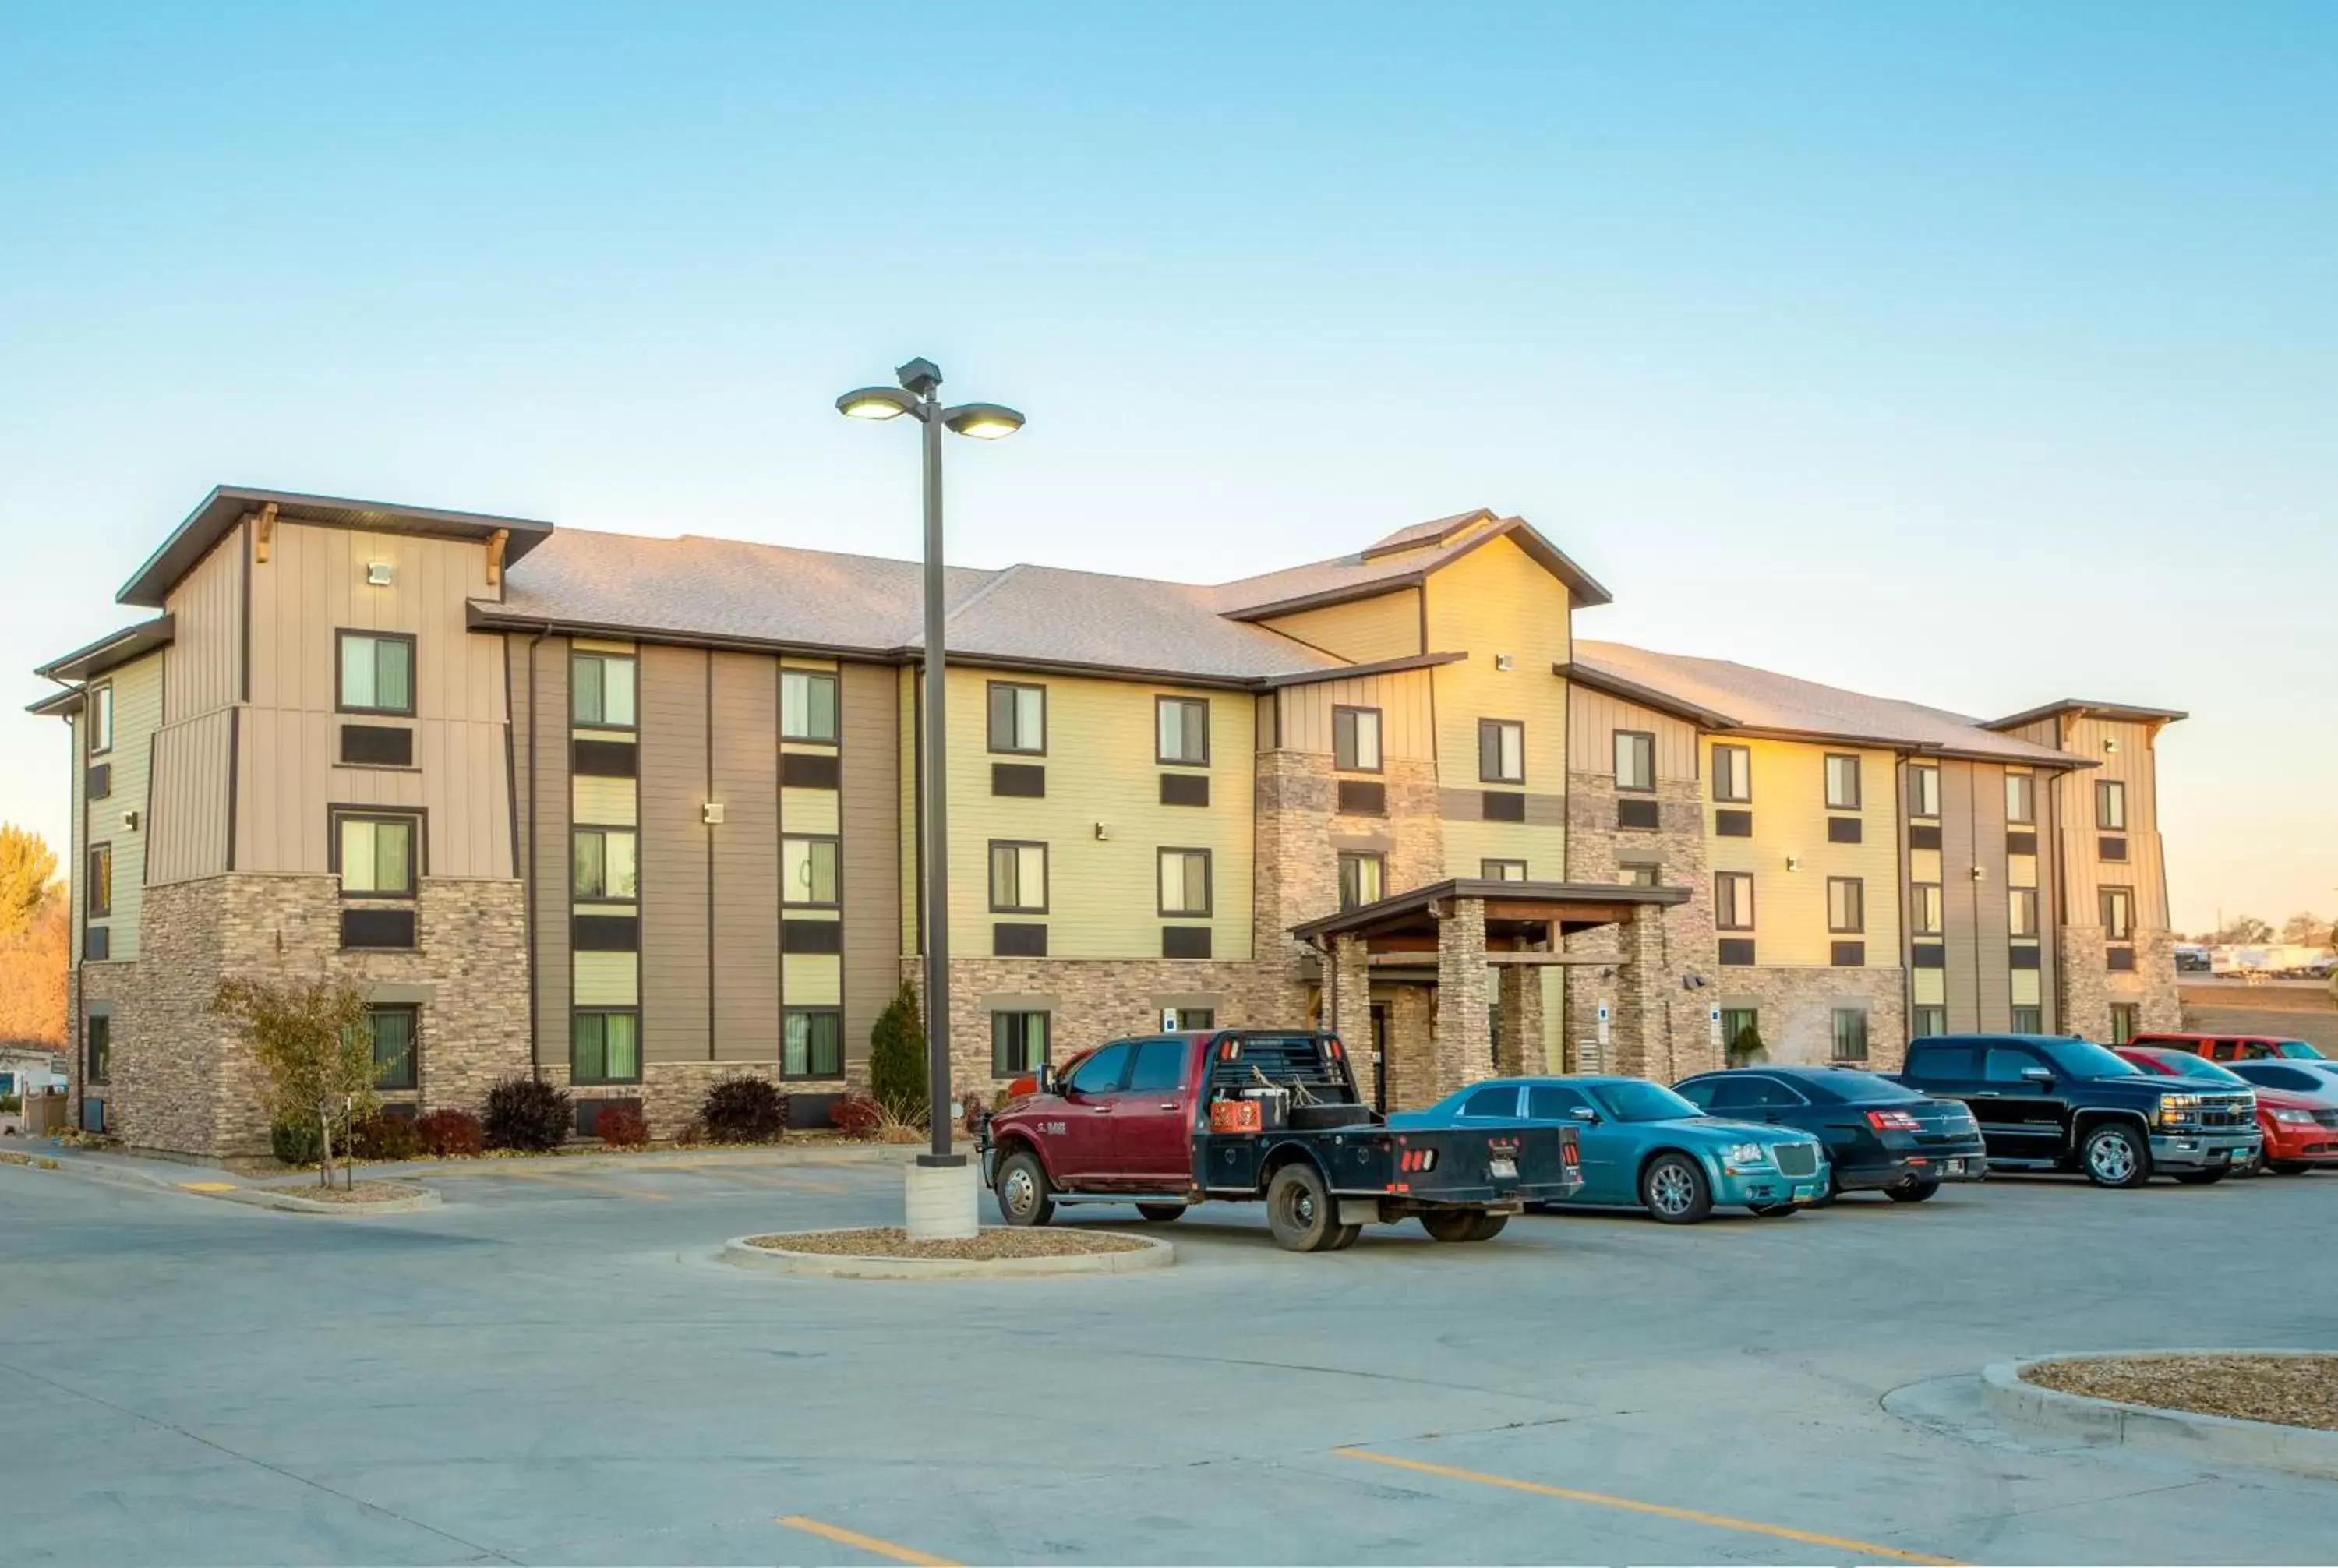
2037, 1075
1044, 1080
1584, 1113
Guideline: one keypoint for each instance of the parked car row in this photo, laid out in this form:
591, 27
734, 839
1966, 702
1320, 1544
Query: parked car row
1232, 1115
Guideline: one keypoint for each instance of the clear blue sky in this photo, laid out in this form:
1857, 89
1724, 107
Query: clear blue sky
1978, 354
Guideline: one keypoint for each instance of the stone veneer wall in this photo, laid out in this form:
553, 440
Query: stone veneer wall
2089, 987
1596, 851
1796, 1006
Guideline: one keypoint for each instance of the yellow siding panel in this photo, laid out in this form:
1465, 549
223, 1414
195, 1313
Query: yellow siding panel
1923, 865
1930, 988
605, 802
608, 980
137, 715
1790, 821
811, 979
1407, 730
808, 810
1364, 631
2025, 988
2021, 870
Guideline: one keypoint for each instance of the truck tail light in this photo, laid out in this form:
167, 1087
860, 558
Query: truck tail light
1892, 1122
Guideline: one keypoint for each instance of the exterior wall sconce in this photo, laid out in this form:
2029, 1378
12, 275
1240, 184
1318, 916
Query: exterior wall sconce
2110, 743
1501, 662
377, 573
1980, 873
129, 821
1102, 831
711, 813
1793, 863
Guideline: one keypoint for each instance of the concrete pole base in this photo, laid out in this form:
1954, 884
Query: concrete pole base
944, 1201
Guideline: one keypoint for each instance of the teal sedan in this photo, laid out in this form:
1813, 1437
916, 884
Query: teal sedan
1644, 1147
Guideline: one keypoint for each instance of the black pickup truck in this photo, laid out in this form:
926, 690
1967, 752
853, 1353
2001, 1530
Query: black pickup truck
2050, 1103
1165, 1122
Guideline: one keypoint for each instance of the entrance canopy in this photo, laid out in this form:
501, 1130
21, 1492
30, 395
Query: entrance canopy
1521, 917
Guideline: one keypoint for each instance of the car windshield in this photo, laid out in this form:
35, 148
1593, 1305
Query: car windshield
2183, 1064
1642, 1103
2296, 1051
1859, 1088
2083, 1059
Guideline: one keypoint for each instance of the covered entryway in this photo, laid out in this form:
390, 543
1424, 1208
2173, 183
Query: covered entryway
1448, 938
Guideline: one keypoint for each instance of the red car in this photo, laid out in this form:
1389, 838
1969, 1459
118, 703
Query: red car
2233, 1047
2297, 1108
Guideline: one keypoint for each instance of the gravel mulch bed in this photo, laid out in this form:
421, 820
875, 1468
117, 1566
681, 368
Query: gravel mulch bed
2287, 1390
994, 1241
363, 1192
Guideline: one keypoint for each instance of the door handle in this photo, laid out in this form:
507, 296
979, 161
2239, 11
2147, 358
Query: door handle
1169, 1105
1103, 1111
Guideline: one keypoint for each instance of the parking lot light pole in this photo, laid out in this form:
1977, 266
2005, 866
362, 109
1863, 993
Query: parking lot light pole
942, 1193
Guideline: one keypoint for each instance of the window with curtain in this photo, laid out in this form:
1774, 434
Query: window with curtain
2110, 804
1924, 908
1933, 1020
2021, 910
1180, 731
1186, 882
1362, 879
1636, 759
1842, 782
1502, 870
601, 690
1850, 1033
807, 705
377, 854
1846, 905
811, 1043
1732, 773
377, 674
606, 1047
101, 719
811, 870
1501, 751
1733, 900
2022, 797
607, 862
1356, 740
1019, 1043
1018, 718
98, 896
1924, 790
1018, 877
2118, 914
393, 1030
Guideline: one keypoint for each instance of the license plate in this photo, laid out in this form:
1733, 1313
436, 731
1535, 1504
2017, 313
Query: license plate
1805, 1194
1505, 1169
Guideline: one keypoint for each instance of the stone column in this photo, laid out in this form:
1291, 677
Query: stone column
1350, 975
1463, 1044
1641, 1029
1520, 988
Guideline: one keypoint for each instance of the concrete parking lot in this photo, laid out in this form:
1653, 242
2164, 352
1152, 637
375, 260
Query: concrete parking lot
550, 1368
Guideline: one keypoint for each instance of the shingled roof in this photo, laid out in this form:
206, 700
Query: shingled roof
1402, 560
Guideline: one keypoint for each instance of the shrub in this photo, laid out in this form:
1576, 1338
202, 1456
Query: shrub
622, 1127
10, 1105
1747, 1050
975, 1104
528, 1114
857, 1116
296, 1143
745, 1111
896, 1058
445, 1134
690, 1135
384, 1136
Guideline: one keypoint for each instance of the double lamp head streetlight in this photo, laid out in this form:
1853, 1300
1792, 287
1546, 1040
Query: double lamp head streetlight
915, 397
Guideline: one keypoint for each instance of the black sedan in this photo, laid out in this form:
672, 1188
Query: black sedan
1880, 1136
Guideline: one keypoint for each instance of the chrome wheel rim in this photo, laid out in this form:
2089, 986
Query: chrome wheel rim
1020, 1192
1301, 1208
2111, 1157
1670, 1191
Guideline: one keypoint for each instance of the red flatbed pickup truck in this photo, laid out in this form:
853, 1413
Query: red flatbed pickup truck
1243, 1115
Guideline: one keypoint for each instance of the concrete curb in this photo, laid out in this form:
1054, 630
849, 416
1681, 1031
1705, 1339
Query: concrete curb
2202, 1439
293, 1203
740, 1254
32, 1161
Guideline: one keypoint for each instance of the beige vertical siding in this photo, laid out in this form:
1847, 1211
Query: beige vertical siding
541, 753
746, 868
2049, 902
1363, 632
673, 843
911, 831
187, 802
873, 847
1408, 730
1992, 920
1960, 896
2144, 870
137, 715
1594, 716
206, 656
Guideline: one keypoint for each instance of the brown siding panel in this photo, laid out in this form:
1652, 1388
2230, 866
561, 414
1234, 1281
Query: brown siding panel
187, 810
206, 656
1992, 920
746, 858
543, 759
1958, 908
673, 843
869, 807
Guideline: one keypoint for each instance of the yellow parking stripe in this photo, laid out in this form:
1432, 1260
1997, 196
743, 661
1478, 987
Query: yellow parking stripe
1694, 1516
209, 1187
837, 1532
586, 1184
764, 1178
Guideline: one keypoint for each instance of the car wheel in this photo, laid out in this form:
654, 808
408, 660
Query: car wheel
1488, 1227
1450, 1224
1675, 1189
1298, 1209
2115, 1155
1770, 1210
1022, 1190
1915, 1189
1161, 1213
2202, 1177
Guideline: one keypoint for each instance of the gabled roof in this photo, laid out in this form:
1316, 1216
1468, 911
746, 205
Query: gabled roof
2119, 711
1722, 695
1402, 560
226, 505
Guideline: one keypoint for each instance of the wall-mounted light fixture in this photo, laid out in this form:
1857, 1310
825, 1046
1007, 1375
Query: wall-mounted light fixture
377, 573
129, 821
711, 813
1793, 863
1980, 873
2110, 743
1501, 662
1102, 831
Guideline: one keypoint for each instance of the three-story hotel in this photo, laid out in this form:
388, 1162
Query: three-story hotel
633, 815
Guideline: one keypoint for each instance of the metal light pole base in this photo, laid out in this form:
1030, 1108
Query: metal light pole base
944, 1201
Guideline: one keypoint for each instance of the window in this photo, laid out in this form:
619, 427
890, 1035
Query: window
1018, 718
97, 1040
1182, 730
807, 705
101, 719
1551, 1102
393, 1030
2021, 911
2118, 914
2110, 804
1102, 1073
1924, 908
2021, 797
1647, 875
1018, 877
1193, 1018
601, 690
375, 854
605, 1048
1924, 790
1934, 1020
1636, 759
606, 862
1019, 1043
2025, 1021
2123, 1014
376, 673
1850, 1034
1501, 1103
811, 1043
1846, 904
809, 869
1733, 900
1842, 782
1502, 870
1160, 1067
1184, 882
1356, 740
1741, 1029
1501, 751
2006, 1064
1362, 879
1732, 773
100, 896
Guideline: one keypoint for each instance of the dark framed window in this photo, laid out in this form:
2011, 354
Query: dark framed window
101, 719
605, 1046
1849, 1034
1636, 759
1018, 1043
1846, 904
1018, 877
1732, 773
97, 1048
1842, 793
1640, 873
2123, 1021
99, 894
1363, 878
1180, 731
1186, 882
2025, 1021
2022, 797
601, 691
1356, 740
1018, 718
377, 671
395, 1032
376, 854
1501, 751
2110, 804
1502, 870
811, 1043
1924, 907
2118, 906
2021, 911
1924, 790
1739, 1024
811, 870
807, 706
1733, 900
604, 865
1931, 1019
1183, 1018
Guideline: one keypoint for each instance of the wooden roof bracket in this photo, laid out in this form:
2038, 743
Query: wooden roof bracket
497, 542
263, 532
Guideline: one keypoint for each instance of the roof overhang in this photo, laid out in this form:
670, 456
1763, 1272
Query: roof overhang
59, 704
1585, 589
1350, 672
1615, 685
226, 506
1412, 917
110, 651
2124, 712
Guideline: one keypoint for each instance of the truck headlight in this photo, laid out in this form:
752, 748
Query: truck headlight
2176, 1108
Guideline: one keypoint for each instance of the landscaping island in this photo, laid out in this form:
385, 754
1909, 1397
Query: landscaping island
886, 1253
2284, 1390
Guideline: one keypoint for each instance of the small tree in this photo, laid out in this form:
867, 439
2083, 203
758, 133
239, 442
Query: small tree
1747, 1048
311, 1038
26, 865
896, 1058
